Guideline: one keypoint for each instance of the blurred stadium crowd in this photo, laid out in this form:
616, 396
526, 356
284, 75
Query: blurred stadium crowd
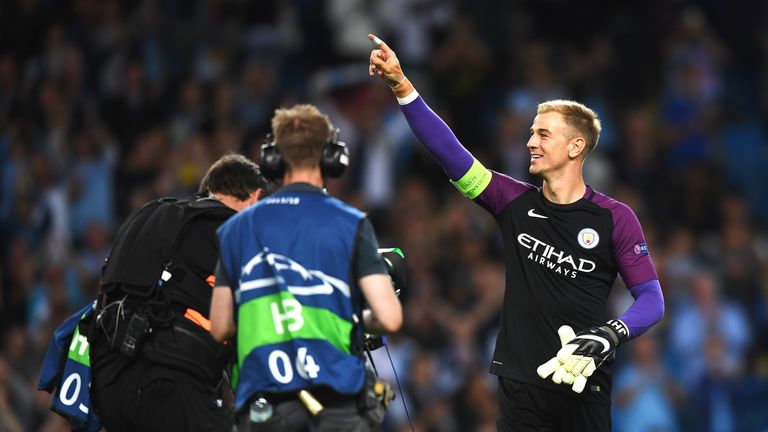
105, 104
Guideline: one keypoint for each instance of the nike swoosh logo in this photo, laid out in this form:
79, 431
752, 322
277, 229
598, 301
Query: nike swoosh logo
606, 345
533, 214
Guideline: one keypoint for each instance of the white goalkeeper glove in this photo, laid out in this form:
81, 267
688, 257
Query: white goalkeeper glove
581, 354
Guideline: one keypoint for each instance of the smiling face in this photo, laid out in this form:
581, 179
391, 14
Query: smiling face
552, 144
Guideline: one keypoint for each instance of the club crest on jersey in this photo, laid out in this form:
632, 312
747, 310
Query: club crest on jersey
588, 238
640, 249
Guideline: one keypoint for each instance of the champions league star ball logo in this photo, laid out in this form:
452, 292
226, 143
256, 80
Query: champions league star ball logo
588, 238
640, 248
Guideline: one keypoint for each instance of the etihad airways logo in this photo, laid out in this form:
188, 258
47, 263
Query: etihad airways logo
553, 259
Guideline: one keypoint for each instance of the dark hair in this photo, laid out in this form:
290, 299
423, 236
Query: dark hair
234, 175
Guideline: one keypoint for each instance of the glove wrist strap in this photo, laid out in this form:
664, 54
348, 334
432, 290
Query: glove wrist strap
619, 329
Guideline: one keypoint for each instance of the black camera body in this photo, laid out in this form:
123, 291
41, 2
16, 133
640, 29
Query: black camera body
394, 260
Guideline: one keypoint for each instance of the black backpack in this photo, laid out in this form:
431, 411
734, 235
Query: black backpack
145, 253
146, 286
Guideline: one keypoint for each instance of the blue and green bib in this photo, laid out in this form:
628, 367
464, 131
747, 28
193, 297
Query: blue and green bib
289, 261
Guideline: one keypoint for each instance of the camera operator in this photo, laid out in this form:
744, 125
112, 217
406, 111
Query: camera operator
294, 272
155, 365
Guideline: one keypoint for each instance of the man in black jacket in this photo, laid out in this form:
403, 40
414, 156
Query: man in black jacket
155, 365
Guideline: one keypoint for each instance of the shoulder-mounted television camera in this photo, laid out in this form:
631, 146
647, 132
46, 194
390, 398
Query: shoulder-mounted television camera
394, 260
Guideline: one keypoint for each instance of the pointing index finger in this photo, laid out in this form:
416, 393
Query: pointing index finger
380, 43
375, 39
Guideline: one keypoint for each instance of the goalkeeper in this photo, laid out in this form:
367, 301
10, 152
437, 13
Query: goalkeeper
565, 244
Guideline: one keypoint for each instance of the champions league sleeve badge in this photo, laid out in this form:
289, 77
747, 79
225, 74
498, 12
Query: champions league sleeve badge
640, 249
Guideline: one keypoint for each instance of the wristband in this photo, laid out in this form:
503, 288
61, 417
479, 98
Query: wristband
409, 98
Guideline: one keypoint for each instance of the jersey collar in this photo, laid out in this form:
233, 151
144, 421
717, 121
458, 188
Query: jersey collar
589, 193
301, 187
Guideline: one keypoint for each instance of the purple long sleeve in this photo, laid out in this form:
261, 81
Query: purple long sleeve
647, 310
437, 138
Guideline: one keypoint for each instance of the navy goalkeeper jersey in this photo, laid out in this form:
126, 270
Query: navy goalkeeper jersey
561, 263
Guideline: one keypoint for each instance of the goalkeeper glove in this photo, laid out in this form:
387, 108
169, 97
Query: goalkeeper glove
581, 354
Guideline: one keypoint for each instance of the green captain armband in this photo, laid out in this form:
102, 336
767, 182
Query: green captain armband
474, 182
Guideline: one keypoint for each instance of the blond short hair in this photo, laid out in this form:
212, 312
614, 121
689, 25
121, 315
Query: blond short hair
301, 132
581, 119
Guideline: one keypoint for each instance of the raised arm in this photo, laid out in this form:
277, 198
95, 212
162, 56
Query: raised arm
430, 129
492, 190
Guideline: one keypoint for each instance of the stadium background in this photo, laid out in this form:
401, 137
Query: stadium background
106, 104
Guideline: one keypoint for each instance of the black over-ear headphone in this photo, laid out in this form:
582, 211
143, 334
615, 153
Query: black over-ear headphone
333, 160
